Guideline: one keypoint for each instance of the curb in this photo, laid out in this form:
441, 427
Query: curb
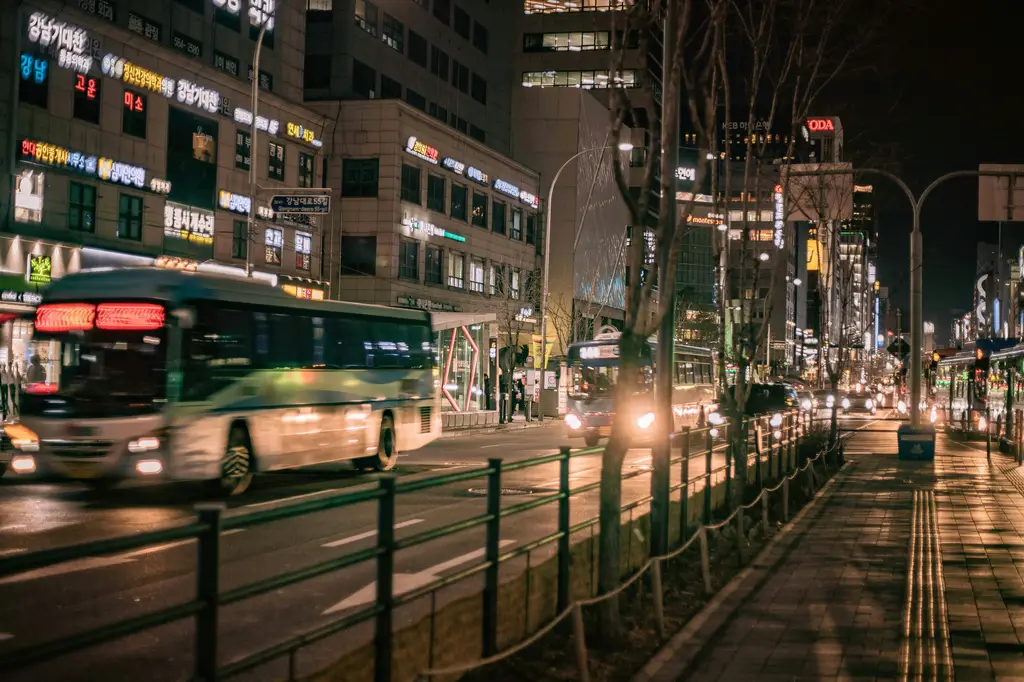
471, 431
679, 653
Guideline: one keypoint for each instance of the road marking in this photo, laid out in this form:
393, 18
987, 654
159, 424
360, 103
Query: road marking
407, 582
170, 545
9, 552
496, 445
5, 636
281, 500
12, 526
368, 534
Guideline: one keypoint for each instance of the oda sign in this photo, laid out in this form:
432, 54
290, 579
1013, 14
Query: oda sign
818, 125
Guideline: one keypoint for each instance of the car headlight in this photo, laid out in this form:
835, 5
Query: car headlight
645, 421
901, 407
573, 422
806, 404
830, 401
868, 403
846, 403
715, 419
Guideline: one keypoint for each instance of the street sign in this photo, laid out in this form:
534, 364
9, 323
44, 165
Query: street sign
899, 348
315, 204
999, 195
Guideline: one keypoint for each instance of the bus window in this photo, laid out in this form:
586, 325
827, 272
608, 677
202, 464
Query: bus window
215, 352
319, 340
350, 336
391, 345
283, 341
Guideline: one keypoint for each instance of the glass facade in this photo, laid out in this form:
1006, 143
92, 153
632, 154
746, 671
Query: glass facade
462, 362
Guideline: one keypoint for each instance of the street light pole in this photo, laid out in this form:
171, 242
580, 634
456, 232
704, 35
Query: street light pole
252, 145
625, 146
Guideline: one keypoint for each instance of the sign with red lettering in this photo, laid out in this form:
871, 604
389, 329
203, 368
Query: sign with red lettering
820, 125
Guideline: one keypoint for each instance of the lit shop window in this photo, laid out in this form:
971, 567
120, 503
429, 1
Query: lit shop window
274, 243
275, 164
133, 114
580, 79
567, 42
559, 6
303, 251
87, 99
34, 85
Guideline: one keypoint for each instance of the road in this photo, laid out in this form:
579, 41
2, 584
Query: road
40, 605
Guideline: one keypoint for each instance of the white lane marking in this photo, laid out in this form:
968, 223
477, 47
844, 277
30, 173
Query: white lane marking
407, 582
496, 445
12, 526
9, 552
368, 534
5, 636
92, 562
281, 500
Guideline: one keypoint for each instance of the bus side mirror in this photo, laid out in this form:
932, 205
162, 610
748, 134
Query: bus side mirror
186, 317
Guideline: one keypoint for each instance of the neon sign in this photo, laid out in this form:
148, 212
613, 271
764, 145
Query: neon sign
301, 133
819, 125
477, 175
121, 173
39, 270
68, 41
423, 151
431, 230
159, 186
188, 223
686, 174
236, 203
57, 156
134, 102
184, 90
33, 69
529, 199
86, 86
454, 166
268, 125
779, 217
506, 187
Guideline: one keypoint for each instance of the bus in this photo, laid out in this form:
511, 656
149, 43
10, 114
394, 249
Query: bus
176, 375
593, 369
964, 390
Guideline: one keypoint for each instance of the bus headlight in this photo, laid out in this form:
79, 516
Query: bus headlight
22, 438
149, 467
23, 464
645, 421
573, 422
144, 444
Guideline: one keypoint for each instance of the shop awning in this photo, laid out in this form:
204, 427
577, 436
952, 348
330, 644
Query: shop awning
442, 321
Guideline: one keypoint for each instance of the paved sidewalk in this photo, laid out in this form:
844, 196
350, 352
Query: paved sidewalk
831, 600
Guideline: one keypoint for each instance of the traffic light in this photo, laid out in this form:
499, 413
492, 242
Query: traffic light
935, 357
979, 353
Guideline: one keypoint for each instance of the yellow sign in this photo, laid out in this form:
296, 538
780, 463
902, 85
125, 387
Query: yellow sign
813, 255
299, 132
146, 79
305, 293
39, 270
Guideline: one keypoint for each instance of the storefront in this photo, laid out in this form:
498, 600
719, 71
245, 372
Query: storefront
463, 359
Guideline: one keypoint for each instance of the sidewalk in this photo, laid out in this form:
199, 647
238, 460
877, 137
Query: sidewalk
518, 422
829, 599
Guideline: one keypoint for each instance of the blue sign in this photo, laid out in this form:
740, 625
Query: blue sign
33, 69
316, 204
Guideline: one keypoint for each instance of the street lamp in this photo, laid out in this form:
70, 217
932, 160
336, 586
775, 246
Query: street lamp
623, 147
253, 148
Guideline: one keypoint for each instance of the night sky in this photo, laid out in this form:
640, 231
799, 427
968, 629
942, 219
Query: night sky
944, 96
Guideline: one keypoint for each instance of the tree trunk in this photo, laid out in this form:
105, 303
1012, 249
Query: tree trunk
738, 453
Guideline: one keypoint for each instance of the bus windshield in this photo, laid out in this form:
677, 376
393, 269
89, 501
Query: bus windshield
103, 374
594, 381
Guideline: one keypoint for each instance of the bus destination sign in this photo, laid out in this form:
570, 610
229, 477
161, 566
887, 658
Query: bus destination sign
315, 204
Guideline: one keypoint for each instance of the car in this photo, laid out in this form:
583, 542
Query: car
765, 398
859, 403
807, 401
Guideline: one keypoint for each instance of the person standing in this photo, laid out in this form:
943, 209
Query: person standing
14, 390
5, 381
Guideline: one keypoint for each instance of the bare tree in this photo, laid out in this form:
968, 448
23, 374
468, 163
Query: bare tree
695, 323
514, 292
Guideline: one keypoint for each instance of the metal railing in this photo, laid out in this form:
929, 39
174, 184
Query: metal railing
768, 442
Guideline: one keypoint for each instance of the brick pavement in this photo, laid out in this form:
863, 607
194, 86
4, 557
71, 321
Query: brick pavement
831, 600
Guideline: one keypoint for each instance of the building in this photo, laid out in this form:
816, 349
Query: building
130, 140
440, 221
447, 59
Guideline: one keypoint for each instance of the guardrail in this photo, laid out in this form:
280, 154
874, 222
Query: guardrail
770, 438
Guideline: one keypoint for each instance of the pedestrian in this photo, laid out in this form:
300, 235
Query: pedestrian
35, 374
5, 379
521, 388
14, 392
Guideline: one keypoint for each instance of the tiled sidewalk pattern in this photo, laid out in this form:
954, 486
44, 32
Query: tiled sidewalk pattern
834, 607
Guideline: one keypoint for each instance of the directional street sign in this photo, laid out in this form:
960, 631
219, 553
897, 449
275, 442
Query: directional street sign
315, 204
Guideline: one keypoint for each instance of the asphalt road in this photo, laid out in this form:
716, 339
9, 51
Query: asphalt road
75, 596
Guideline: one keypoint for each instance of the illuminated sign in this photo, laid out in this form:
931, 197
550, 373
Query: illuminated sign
27, 297
59, 157
134, 102
262, 11
820, 125
453, 165
33, 69
703, 220
268, 125
197, 96
235, 203
300, 133
121, 173
175, 263
805, 133
159, 186
530, 200
29, 189
39, 270
69, 42
188, 223
305, 293
813, 255
779, 217
264, 212
686, 174
101, 8
431, 230
478, 175
184, 90
423, 151
506, 187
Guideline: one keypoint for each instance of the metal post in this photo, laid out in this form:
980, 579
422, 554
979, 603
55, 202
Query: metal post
579, 635
564, 546
253, 149
705, 561
385, 588
660, 493
207, 590
710, 443
916, 328
988, 433
771, 450
785, 500
659, 598
684, 485
490, 619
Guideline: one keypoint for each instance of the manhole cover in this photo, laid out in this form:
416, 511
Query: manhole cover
504, 491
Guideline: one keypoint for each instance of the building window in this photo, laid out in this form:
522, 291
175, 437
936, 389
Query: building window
462, 22
243, 150
459, 197
476, 275
305, 170
478, 89
547, 7
497, 283
567, 42
531, 228
477, 134
359, 177
273, 242
578, 79
82, 207
480, 211
316, 72
366, 16
390, 89
415, 99
129, 217
443, 11
87, 99
460, 124
498, 216
435, 193
439, 63
516, 225
359, 255
417, 48
438, 112
275, 164
133, 114
240, 239
480, 37
228, 19
432, 264
303, 251
364, 79
456, 270
408, 260
460, 76
411, 184
34, 83
513, 283
393, 33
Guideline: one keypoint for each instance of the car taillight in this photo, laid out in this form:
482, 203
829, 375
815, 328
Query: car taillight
40, 388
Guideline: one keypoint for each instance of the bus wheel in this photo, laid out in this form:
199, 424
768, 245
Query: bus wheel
236, 468
591, 439
387, 449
